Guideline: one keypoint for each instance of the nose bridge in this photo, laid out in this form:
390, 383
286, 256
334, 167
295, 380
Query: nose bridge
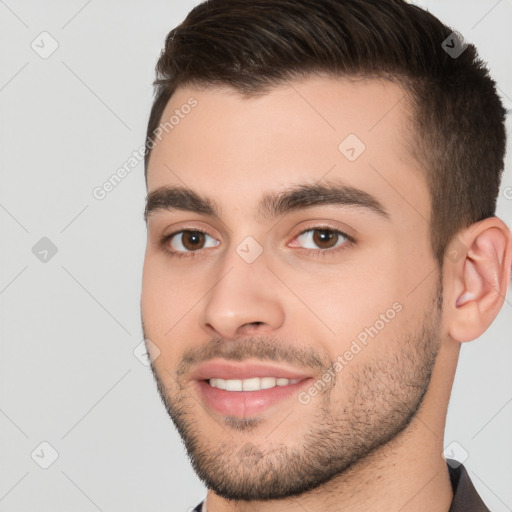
242, 293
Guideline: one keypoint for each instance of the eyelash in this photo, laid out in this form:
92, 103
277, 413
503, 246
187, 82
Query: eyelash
316, 252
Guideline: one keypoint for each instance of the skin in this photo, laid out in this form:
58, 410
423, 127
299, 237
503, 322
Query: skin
373, 440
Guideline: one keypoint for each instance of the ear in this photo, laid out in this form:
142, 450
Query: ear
476, 275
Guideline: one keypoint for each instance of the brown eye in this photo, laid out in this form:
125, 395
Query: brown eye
321, 239
192, 240
325, 238
189, 241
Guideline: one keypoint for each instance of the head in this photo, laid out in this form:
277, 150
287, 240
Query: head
456, 128
323, 202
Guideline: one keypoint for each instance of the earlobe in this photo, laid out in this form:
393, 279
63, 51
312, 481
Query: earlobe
479, 280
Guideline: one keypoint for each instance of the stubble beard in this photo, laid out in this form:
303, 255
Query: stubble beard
380, 400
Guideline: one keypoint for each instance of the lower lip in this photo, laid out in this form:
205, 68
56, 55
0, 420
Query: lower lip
243, 404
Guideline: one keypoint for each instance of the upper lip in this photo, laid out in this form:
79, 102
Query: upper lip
230, 370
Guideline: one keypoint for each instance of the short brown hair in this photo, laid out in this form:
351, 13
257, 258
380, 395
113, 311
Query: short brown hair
458, 118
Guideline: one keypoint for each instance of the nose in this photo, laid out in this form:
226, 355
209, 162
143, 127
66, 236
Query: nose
243, 300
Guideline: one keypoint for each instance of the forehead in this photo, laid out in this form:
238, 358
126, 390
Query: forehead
236, 148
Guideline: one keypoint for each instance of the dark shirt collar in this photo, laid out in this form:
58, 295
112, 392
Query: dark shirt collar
465, 497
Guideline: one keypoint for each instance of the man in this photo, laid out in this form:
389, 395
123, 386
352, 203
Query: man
322, 180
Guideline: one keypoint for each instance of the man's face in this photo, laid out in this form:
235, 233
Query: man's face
335, 287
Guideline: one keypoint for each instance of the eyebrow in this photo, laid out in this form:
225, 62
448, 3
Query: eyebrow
274, 204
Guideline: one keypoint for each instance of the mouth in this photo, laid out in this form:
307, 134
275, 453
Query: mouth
245, 390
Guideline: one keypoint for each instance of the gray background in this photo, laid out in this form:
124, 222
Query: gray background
70, 324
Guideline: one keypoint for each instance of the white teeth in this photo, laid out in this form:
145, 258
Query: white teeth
267, 382
252, 384
220, 383
233, 385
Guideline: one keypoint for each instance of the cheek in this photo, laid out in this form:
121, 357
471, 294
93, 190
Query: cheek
358, 312
151, 297
165, 310
347, 300
167, 297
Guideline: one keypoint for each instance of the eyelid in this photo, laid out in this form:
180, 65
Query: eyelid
326, 227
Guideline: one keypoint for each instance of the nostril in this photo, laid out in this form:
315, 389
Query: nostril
250, 325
